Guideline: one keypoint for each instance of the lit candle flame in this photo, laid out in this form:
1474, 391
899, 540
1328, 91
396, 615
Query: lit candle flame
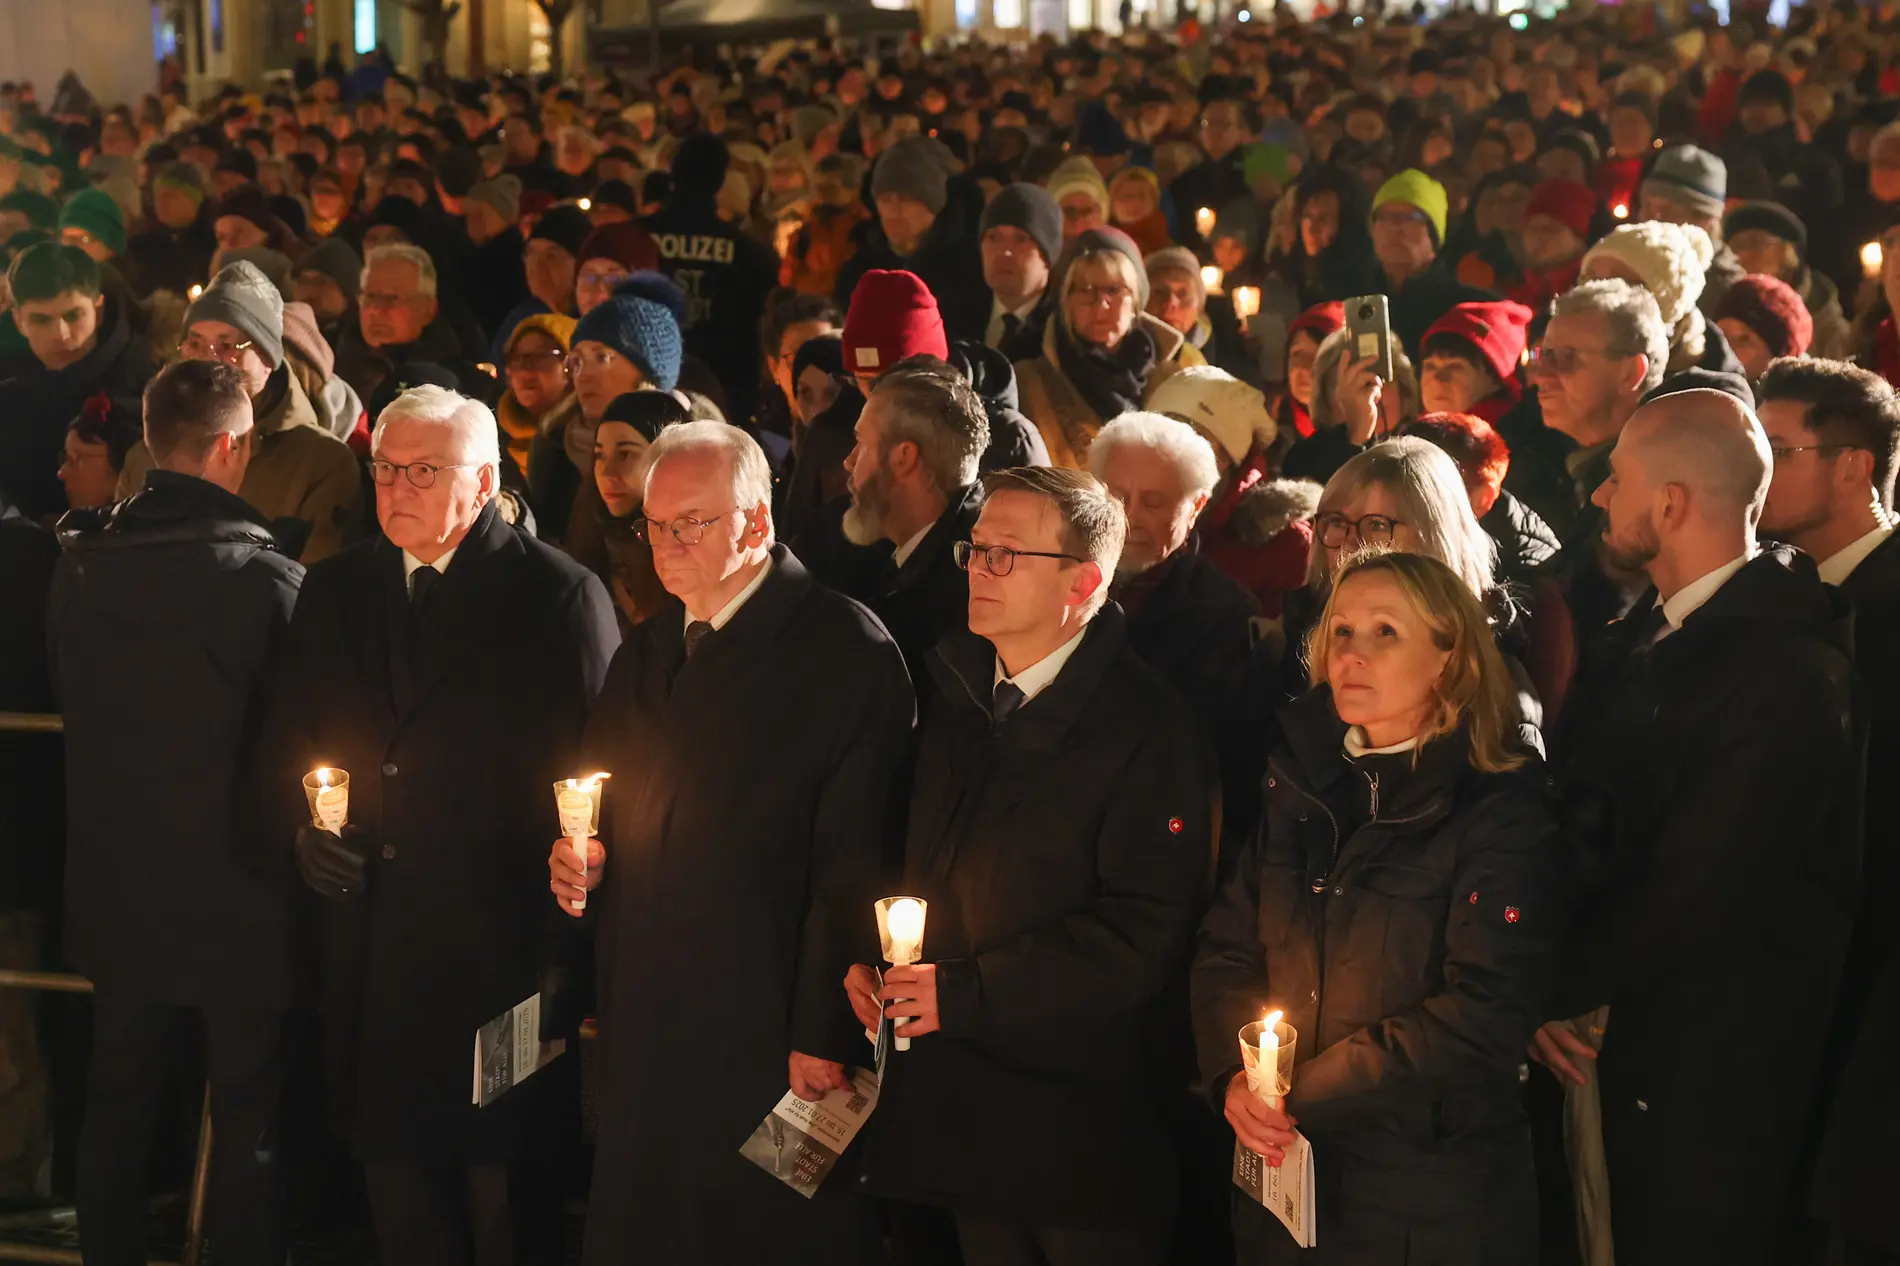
194, 292
1204, 220
1872, 256
323, 778
1246, 302
1211, 278
587, 204
1621, 211
587, 784
906, 921
1272, 1021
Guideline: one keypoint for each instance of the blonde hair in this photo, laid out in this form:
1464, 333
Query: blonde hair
1432, 502
1475, 688
1124, 269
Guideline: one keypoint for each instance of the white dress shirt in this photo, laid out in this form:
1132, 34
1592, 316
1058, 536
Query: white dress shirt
731, 609
411, 565
1036, 678
1839, 565
909, 547
1685, 601
993, 332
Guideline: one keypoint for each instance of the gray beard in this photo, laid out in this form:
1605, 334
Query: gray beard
864, 521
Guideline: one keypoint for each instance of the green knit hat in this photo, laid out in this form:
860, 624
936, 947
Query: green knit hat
93, 211
1415, 189
1266, 158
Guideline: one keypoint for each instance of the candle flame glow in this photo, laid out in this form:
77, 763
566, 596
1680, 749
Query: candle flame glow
1273, 1019
1872, 256
1621, 211
906, 918
587, 784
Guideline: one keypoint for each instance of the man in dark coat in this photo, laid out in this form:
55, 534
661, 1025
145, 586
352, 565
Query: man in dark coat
928, 225
400, 321
913, 484
448, 668
1408, 237
724, 273
491, 277
1061, 830
1835, 431
754, 731
1227, 126
168, 614
1712, 778
83, 343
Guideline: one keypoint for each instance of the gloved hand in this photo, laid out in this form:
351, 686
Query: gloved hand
333, 867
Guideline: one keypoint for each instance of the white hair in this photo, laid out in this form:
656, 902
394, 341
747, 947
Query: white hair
407, 253
481, 436
751, 476
1634, 319
1178, 441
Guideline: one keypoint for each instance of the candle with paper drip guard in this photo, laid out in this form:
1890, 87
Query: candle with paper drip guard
1212, 278
577, 801
1266, 1049
1204, 221
900, 926
1872, 256
1246, 303
328, 791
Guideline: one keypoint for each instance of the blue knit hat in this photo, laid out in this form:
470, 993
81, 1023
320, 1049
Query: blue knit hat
641, 321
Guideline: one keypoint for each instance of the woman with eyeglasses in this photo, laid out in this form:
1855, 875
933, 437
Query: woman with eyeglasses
1104, 355
629, 342
1396, 902
534, 365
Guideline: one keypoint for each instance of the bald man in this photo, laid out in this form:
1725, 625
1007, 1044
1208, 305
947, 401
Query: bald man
1711, 779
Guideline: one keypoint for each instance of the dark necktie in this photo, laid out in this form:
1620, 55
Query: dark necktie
420, 583
1006, 700
1012, 326
695, 634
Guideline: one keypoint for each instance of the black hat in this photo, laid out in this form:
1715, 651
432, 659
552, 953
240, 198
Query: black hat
647, 411
1031, 209
616, 193
458, 170
1768, 217
567, 226
1770, 86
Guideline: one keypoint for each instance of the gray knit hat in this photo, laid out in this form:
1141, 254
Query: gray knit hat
337, 260
242, 297
917, 168
1031, 209
502, 193
275, 265
1692, 175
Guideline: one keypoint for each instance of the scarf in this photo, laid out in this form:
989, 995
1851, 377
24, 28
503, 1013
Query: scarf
1111, 383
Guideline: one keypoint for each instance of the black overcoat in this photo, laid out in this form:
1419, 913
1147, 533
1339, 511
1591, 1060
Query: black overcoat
1711, 793
452, 748
743, 829
167, 613
1066, 856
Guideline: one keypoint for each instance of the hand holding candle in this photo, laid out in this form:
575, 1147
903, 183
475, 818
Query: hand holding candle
577, 802
328, 791
900, 926
1267, 1051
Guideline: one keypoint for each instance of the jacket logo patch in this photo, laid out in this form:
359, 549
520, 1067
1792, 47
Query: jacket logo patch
1474, 898
1510, 914
1175, 825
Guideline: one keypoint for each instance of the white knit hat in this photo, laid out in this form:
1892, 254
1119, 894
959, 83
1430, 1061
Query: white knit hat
1672, 259
1227, 409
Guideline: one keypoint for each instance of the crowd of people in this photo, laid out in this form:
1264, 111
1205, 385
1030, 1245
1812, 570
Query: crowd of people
1387, 521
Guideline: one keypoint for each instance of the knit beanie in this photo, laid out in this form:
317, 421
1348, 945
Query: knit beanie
1094, 242
1672, 259
116, 422
1771, 218
244, 298
641, 321
1497, 329
1692, 175
918, 169
1570, 204
1414, 188
567, 227
647, 411
627, 244
1177, 259
892, 315
553, 324
1031, 209
248, 202
1770, 86
93, 211
1232, 412
503, 193
1773, 310
1078, 175
335, 259
699, 165
1265, 158
275, 265
182, 177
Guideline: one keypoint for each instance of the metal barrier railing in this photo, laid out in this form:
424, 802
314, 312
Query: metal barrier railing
192, 1251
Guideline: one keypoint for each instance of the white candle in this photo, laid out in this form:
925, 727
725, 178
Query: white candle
1270, 1057
329, 794
1246, 302
1211, 279
1871, 258
577, 802
904, 928
1204, 220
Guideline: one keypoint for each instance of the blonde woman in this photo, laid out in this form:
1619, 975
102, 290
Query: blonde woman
1395, 903
1104, 355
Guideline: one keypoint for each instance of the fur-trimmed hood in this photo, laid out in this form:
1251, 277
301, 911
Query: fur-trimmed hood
1269, 507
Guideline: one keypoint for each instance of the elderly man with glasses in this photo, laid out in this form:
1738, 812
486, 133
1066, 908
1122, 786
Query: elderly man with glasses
448, 668
755, 729
301, 477
401, 321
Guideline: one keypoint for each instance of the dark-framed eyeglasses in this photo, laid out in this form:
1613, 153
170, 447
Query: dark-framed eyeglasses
552, 361
419, 474
686, 531
1372, 529
998, 560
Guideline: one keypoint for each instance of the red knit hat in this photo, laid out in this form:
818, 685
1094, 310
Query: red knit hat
1565, 201
1319, 321
892, 315
1772, 309
1498, 330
